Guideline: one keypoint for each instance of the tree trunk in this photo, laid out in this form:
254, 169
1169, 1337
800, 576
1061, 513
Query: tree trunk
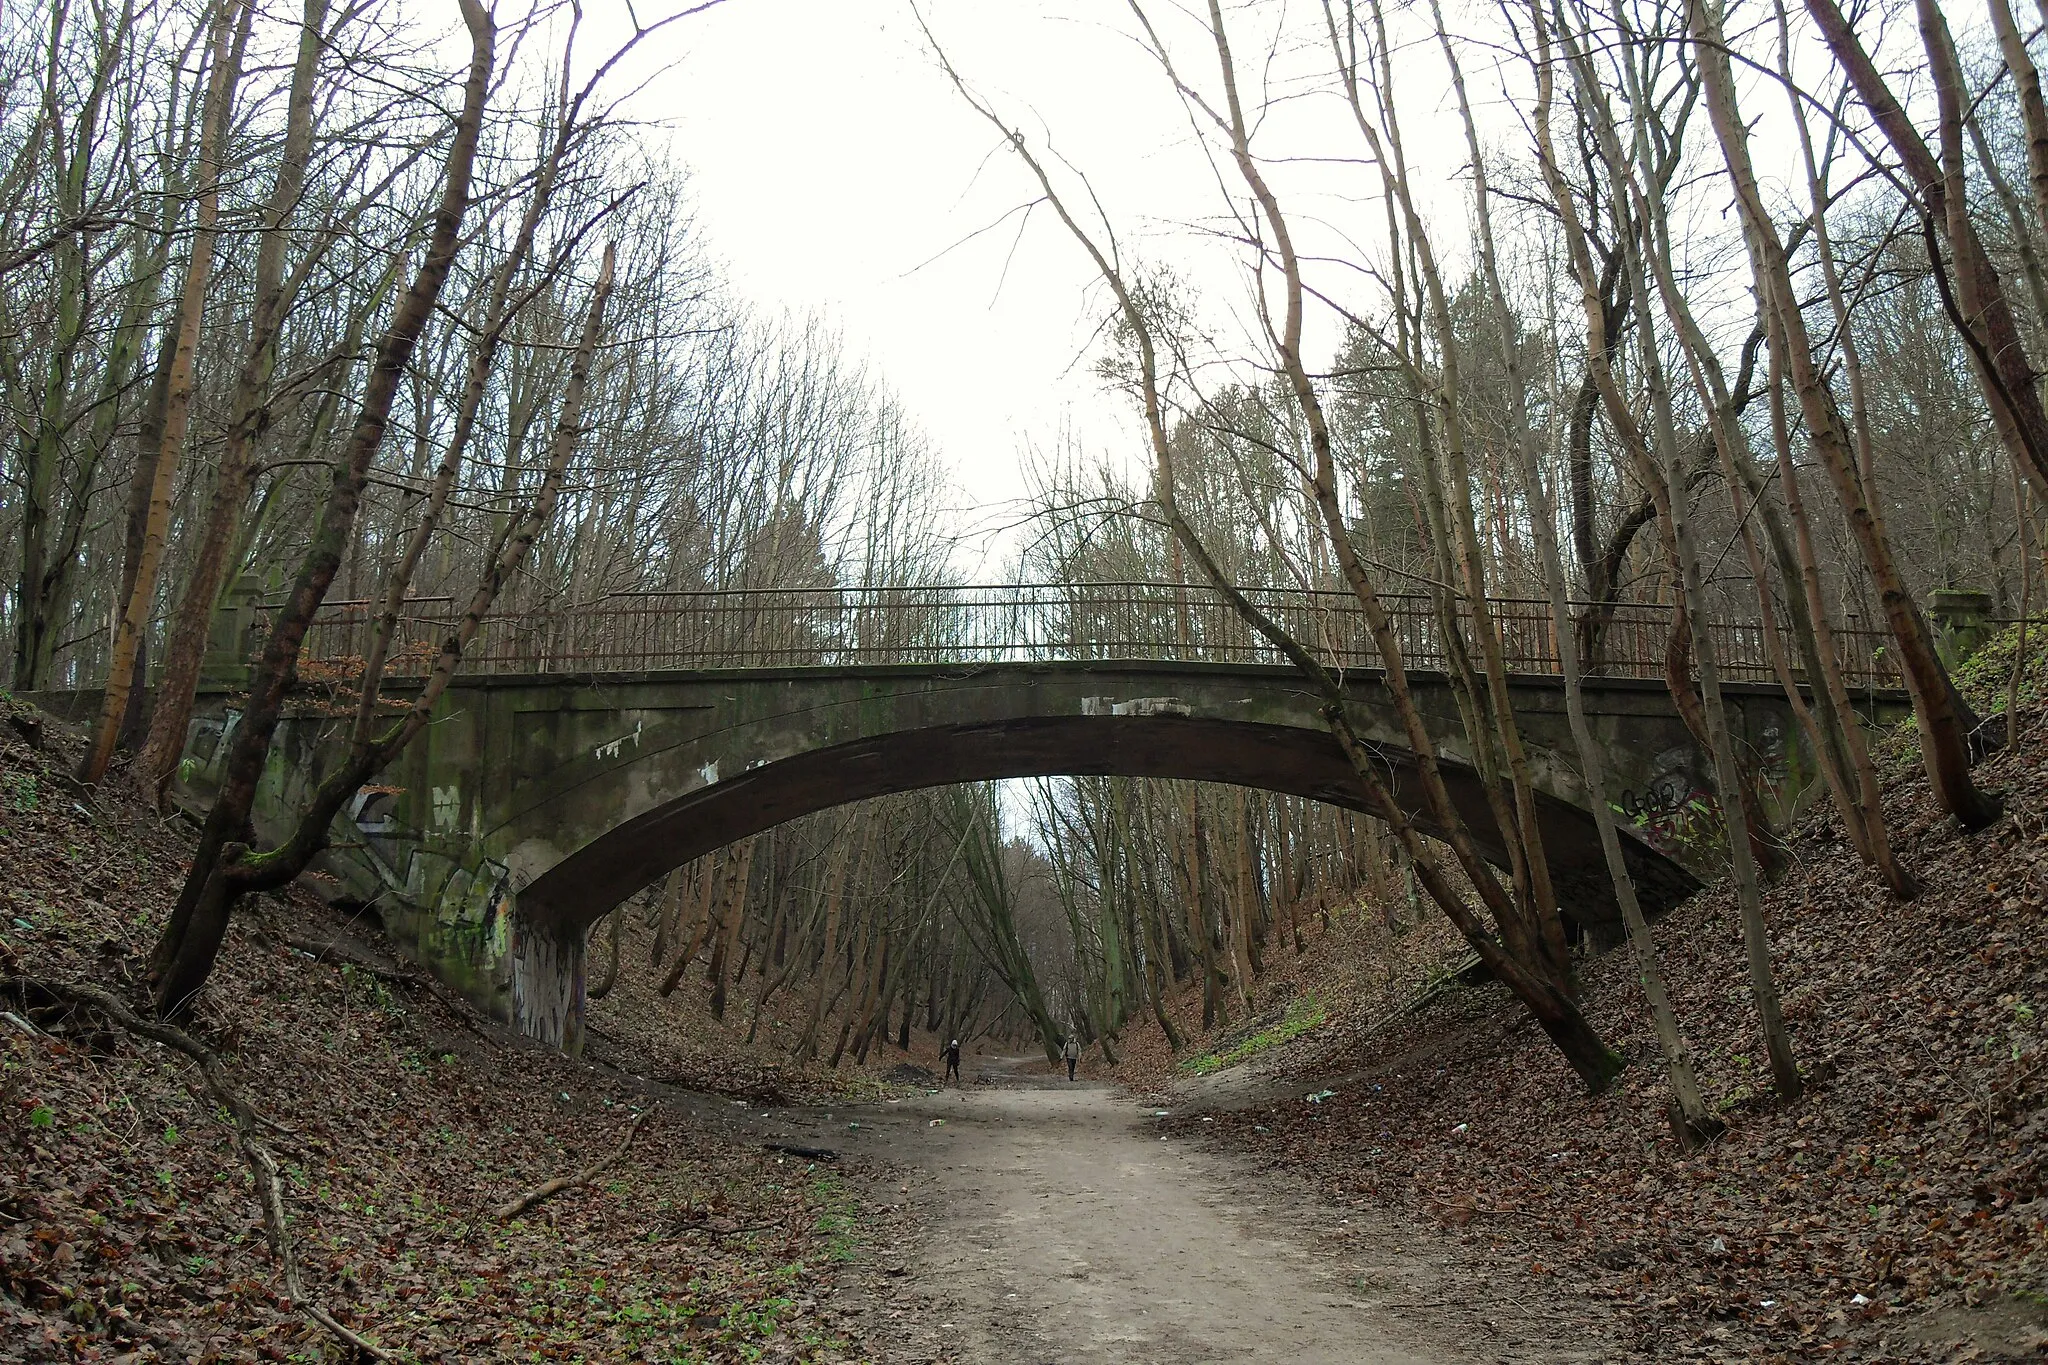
602, 987
182, 966
1944, 735
1692, 1122
739, 871
249, 408
230, 38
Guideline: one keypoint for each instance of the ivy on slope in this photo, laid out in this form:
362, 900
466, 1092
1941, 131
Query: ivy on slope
1282, 1024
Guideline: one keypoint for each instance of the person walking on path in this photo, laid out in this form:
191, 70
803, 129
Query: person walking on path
1072, 1052
953, 1060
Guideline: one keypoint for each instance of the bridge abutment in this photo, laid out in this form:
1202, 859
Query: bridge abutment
545, 964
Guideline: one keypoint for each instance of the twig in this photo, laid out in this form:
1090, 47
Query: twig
262, 1165
508, 1211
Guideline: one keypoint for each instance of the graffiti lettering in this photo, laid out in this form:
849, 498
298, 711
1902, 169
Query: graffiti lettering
1674, 810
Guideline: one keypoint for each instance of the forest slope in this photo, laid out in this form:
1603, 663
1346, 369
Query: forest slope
129, 1227
1898, 1211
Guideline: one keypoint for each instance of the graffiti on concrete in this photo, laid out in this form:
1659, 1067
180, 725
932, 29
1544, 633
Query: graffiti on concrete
374, 811
1772, 759
419, 868
1675, 809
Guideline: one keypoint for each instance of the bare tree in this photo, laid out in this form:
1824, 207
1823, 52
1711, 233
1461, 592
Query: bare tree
1515, 948
184, 955
250, 409
231, 24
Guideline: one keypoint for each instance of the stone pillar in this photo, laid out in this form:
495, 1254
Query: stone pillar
546, 963
226, 662
1962, 622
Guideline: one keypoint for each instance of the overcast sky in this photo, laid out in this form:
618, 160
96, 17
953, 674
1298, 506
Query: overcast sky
835, 169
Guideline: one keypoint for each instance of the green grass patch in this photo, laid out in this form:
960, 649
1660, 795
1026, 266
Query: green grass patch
1303, 1014
838, 1220
19, 791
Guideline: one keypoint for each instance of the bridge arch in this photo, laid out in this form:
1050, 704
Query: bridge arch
1157, 740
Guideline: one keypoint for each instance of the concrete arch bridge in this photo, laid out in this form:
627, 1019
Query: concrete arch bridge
582, 755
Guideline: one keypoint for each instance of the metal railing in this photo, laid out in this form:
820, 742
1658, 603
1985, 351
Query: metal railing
824, 627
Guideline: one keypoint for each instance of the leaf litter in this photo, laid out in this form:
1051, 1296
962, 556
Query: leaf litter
1899, 1211
129, 1229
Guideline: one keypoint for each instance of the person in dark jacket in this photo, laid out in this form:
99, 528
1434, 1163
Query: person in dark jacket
953, 1060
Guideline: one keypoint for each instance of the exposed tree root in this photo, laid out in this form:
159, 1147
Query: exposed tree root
262, 1165
512, 1209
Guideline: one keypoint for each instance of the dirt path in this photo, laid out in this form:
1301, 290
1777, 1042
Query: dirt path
1061, 1229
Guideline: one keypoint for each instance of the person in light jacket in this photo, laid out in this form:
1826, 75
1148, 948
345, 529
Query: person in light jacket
1071, 1050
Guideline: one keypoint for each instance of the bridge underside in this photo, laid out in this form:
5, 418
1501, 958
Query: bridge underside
1278, 758
535, 804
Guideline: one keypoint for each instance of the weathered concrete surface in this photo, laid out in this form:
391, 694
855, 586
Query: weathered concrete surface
534, 804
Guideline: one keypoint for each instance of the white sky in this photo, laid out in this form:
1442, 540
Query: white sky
832, 163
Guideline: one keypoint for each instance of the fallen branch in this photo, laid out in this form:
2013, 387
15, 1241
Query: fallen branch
808, 1153
1452, 1210
334, 950
262, 1165
508, 1211
736, 1230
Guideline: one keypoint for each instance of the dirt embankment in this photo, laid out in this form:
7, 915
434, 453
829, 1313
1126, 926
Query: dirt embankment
1898, 1211
129, 1226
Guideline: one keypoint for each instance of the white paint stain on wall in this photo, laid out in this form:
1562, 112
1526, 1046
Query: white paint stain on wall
613, 748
